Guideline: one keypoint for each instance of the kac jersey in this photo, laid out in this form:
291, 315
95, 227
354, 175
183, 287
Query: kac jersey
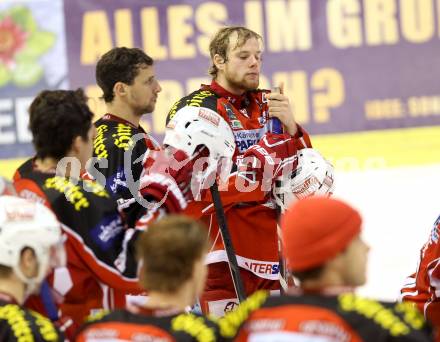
121, 150
101, 263
323, 318
149, 325
20, 324
251, 215
423, 287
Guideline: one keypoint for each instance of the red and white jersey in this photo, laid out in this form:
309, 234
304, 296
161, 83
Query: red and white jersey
250, 213
423, 287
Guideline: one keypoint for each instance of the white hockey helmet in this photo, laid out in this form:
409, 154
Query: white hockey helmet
193, 127
314, 175
29, 224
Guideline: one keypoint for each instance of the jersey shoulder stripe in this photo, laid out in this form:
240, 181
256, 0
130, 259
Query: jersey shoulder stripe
199, 98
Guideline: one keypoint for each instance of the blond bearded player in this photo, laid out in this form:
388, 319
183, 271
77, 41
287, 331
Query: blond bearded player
251, 215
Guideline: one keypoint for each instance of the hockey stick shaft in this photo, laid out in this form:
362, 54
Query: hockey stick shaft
230, 251
282, 276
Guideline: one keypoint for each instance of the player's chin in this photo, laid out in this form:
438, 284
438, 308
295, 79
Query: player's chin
150, 108
251, 83
359, 280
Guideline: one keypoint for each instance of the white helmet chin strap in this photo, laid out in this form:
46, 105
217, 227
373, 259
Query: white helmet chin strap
48, 258
204, 179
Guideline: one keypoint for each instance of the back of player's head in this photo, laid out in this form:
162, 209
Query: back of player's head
120, 64
57, 117
28, 225
317, 229
220, 43
169, 249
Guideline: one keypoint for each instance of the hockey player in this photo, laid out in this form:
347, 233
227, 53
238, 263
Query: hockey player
101, 267
422, 287
30, 246
250, 210
326, 254
173, 272
130, 89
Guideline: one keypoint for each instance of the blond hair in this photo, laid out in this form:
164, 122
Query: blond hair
220, 43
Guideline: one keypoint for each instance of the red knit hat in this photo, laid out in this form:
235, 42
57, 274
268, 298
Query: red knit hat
316, 229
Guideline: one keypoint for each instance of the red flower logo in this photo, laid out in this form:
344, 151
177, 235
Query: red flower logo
22, 43
12, 39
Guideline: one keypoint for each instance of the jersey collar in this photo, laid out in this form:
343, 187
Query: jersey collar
324, 291
112, 117
155, 312
235, 100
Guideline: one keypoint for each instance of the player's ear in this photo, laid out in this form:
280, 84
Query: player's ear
28, 263
77, 143
120, 89
219, 61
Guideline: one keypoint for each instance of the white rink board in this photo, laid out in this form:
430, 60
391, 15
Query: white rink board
399, 207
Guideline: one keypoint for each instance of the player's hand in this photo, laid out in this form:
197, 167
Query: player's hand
272, 156
168, 179
279, 107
